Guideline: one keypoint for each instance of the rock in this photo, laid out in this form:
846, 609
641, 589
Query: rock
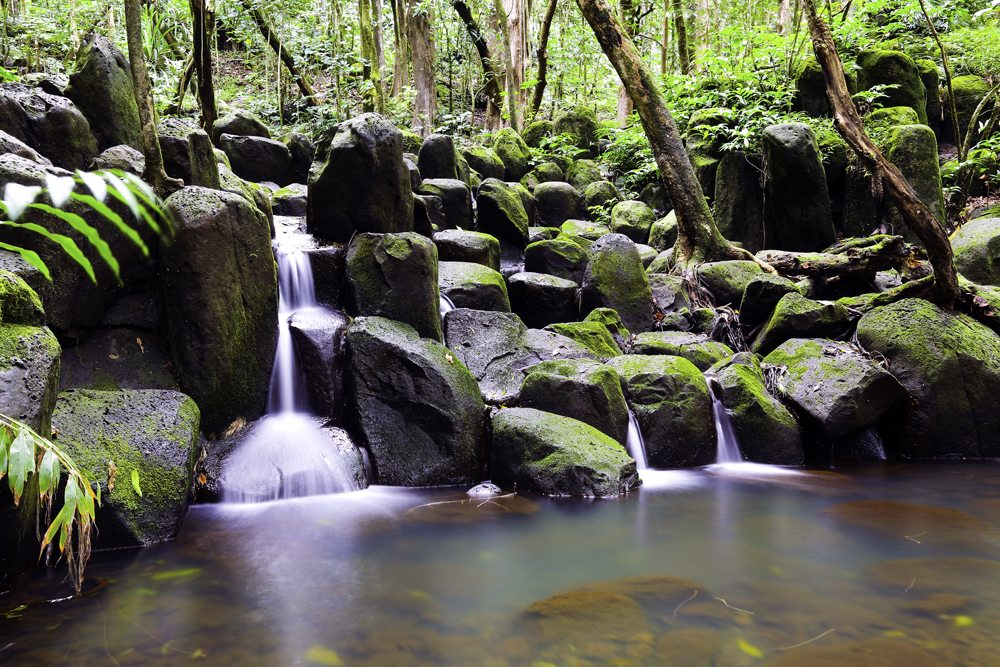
417, 411
615, 279
969, 92
51, 125
580, 389
761, 294
765, 430
290, 200
495, 347
582, 173
50, 82
739, 200
358, 182
121, 157
949, 365
11, 144
699, 350
501, 213
513, 152
29, 365
600, 193
536, 131
152, 438
19, 304
798, 317
471, 285
582, 617
412, 142
704, 151
727, 280
187, 153
913, 149
797, 193
669, 292
303, 150
977, 250
888, 68
464, 172
258, 159
415, 179
318, 335
609, 318
484, 161
557, 202
931, 78
662, 264
655, 196
838, 391
593, 335
547, 172
254, 194
536, 234
239, 123
556, 455
540, 299
456, 199
428, 215
663, 232
880, 122
460, 246
671, 402
633, 219
585, 230
329, 266
222, 158
436, 158
102, 88
527, 200
118, 356
878, 651
646, 254
395, 276
580, 122
833, 149
220, 297
559, 258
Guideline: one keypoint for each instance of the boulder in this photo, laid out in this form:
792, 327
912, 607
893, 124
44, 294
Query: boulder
51, 125
414, 407
699, 350
663, 232
595, 336
291, 200
253, 193
29, 362
797, 193
633, 219
559, 258
411, 142
878, 67
671, 402
484, 161
646, 254
102, 88
582, 173
456, 200
258, 159
536, 234
727, 280
239, 123
395, 276
415, 179
969, 92
585, 230
455, 245
513, 152
547, 172
600, 193
914, 150
187, 153
540, 299
739, 200
527, 200
977, 250
761, 294
703, 150
655, 196
318, 335
559, 456
615, 279
795, 316
220, 297
501, 213
556, 202
11, 144
496, 346
810, 87
949, 365
358, 182
19, 303
428, 215
140, 447
436, 158
536, 131
119, 355
669, 292
121, 157
471, 285
609, 318
303, 150
329, 267
463, 172
581, 123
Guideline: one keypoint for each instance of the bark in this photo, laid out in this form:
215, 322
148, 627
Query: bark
847, 122
698, 238
379, 41
680, 28
183, 82
154, 174
370, 50
418, 26
517, 28
543, 57
855, 257
399, 68
784, 17
630, 18
505, 46
491, 82
203, 13
272, 38
666, 37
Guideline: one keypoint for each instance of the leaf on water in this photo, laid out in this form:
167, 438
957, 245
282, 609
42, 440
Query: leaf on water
135, 481
17, 197
964, 621
749, 648
60, 188
323, 656
176, 574
95, 183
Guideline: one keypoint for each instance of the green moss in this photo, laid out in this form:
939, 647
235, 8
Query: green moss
535, 132
969, 92
586, 230
609, 318
633, 219
893, 67
19, 304
914, 150
700, 351
581, 122
19, 341
513, 152
574, 239
880, 123
594, 335
582, 173
411, 142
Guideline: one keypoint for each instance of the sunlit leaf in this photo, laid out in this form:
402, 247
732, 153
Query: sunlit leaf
323, 656
5, 439
115, 219
17, 197
31, 257
964, 621
135, 481
59, 188
749, 648
95, 183
176, 574
123, 190
91, 234
22, 462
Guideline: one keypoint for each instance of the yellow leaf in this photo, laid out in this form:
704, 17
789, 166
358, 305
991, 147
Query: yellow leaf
135, 481
964, 621
323, 656
749, 648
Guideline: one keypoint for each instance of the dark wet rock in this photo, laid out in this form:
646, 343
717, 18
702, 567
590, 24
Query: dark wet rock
11, 144
220, 296
655, 196
428, 215
415, 178
540, 299
456, 200
513, 152
416, 409
663, 232
239, 123
318, 334
484, 161
328, 265
51, 125
669, 292
436, 157
594, 335
615, 279
739, 200
761, 294
151, 437
358, 182
699, 350
671, 402
727, 280
461, 246
556, 202
497, 346
102, 88
977, 250
29, 373
258, 159
501, 213
536, 234
303, 150
472, 285
186, 157
290, 200
810, 87
119, 358
798, 317
121, 157
562, 259
557, 455
633, 219
914, 151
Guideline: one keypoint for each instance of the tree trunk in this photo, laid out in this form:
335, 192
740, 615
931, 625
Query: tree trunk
379, 42
281, 50
418, 27
680, 27
154, 173
505, 46
490, 82
183, 82
543, 57
846, 120
784, 17
399, 59
370, 51
698, 239
203, 14
630, 19
517, 28
666, 37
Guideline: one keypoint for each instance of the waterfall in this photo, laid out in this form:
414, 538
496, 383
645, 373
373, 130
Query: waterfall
728, 448
287, 454
634, 444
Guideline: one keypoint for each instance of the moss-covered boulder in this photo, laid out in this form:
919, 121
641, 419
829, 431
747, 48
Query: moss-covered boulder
29, 366
699, 350
810, 87
582, 173
655, 196
50, 124
19, 304
581, 123
456, 200
703, 150
251, 192
513, 152
670, 292
456, 245
140, 447
949, 365
662, 263
580, 389
663, 232
536, 234
837, 390
501, 213
593, 335
240, 123
977, 250
121, 157
633, 219
647, 254
670, 399
880, 123
495, 347
547, 172
411, 142
761, 294
540, 299
765, 430
484, 161
558, 456
290, 201
560, 258
615, 279
600, 194
395, 276
797, 192
795, 316
969, 92
739, 200
914, 150
931, 78
413, 406
220, 297
303, 151
878, 67
590, 231
536, 131
358, 182
471, 285
556, 202
102, 88
612, 322
727, 280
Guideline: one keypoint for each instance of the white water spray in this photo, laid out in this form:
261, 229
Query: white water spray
728, 448
634, 444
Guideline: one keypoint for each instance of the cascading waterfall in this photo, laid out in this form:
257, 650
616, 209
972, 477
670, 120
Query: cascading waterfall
287, 454
728, 448
634, 444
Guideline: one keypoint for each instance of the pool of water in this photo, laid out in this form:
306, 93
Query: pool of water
719, 566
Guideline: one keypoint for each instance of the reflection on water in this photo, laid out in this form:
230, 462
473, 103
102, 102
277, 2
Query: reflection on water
695, 568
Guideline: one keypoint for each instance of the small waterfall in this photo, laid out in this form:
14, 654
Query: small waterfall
287, 454
634, 444
728, 448
446, 305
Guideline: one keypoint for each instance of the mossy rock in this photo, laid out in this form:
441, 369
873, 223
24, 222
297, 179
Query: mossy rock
761, 295
535, 132
586, 230
671, 292
456, 200
663, 232
931, 78
140, 447
556, 455
739, 201
705, 153
582, 173
560, 258
501, 213
893, 67
536, 234
575, 239
969, 92
456, 245
101, 86
29, 374
581, 122
239, 123
471, 285
437, 157
655, 196
547, 172
411, 142
914, 150
633, 219
557, 202
616, 279
601, 194
977, 250
699, 350
484, 161
513, 152
594, 335
610, 319
880, 123
795, 316
810, 87
19, 304
727, 280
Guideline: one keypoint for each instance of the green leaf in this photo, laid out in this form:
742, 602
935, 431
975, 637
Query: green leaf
115, 219
95, 183
135, 481
5, 439
48, 474
176, 574
22, 462
68, 245
31, 257
56, 524
91, 234
125, 195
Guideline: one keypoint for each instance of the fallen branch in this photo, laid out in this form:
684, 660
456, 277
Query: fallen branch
851, 257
